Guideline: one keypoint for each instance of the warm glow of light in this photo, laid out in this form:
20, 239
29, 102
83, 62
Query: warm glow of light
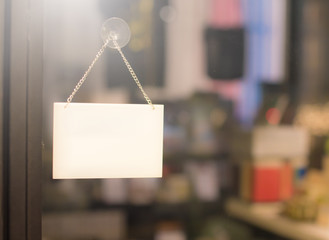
273, 116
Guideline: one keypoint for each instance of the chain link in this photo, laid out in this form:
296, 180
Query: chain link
100, 52
133, 75
83, 79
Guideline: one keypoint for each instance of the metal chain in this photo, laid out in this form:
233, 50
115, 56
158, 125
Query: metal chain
81, 81
100, 52
133, 75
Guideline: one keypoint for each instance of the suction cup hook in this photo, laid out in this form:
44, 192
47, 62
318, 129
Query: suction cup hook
117, 29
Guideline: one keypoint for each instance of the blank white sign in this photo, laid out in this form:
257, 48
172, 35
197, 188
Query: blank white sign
107, 141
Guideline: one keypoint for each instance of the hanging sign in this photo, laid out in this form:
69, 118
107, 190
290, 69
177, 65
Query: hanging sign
107, 140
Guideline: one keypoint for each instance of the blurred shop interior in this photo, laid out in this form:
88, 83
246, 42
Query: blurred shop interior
246, 126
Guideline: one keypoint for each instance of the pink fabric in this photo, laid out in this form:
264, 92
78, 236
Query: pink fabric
225, 13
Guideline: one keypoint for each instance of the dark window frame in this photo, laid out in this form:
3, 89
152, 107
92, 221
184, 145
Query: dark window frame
21, 51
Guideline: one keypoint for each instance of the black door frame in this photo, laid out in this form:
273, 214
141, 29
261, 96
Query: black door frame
21, 52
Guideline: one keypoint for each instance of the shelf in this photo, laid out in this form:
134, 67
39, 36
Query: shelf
266, 216
84, 225
187, 157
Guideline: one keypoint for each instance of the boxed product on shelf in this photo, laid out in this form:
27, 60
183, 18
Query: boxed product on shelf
277, 163
266, 181
280, 141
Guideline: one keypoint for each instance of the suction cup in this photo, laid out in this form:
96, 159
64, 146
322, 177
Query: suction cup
117, 29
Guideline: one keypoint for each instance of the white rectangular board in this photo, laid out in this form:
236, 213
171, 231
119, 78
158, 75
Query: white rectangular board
107, 141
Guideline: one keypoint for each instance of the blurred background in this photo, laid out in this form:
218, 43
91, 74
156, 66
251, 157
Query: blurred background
245, 89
